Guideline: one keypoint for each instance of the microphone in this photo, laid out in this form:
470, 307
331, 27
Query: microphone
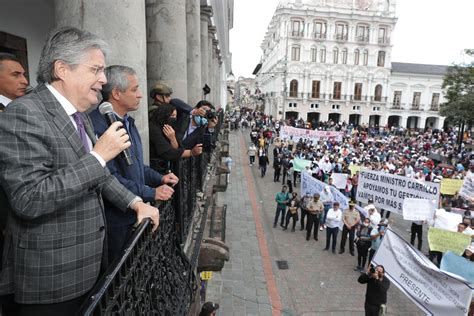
107, 110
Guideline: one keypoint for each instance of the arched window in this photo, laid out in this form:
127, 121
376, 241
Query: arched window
312, 54
322, 55
294, 88
366, 57
335, 55
356, 57
381, 59
378, 93
344, 56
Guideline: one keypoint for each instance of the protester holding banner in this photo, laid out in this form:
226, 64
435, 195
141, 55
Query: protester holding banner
333, 220
376, 293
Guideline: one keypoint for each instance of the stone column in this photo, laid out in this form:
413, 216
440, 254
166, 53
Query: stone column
193, 30
124, 31
206, 13
166, 39
210, 76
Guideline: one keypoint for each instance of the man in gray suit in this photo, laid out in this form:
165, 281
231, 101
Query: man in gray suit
52, 168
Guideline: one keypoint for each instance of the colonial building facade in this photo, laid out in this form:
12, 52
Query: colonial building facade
183, 43
331, 60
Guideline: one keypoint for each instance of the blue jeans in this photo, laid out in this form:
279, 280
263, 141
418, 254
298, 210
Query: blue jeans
326, 209
331, 232
282, 210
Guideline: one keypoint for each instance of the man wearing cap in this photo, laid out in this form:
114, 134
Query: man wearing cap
209, 309
351, 219
315, 209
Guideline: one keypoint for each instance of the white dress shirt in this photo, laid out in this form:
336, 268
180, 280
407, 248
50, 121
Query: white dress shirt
4, 100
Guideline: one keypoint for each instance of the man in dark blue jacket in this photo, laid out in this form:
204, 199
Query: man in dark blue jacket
123, 92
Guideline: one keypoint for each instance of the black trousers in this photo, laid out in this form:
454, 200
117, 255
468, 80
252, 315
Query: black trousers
116, 239
288, 216
416, 231
345, 232
276, 175
312, 221
70, 307
8, 306
362, 253
284, 176
303, 215
371, 310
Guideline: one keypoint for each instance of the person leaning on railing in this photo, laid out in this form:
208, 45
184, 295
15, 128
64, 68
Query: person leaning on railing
165, 146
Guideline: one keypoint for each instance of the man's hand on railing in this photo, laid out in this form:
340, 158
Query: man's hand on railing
163, 192
147, 211
170, 179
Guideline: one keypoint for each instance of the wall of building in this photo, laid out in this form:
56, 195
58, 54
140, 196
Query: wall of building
32, 20
279, 67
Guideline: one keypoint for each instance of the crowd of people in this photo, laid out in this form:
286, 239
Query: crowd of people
429, 155
73, 179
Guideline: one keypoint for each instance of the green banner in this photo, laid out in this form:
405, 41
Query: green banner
300, 164
444, 240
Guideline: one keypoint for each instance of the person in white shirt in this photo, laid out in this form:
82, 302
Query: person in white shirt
333, 220
13, 82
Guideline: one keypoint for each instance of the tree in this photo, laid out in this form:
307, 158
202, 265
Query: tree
459, 85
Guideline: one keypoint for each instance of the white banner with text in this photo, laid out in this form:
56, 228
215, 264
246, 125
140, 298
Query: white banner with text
388, 191
433, 290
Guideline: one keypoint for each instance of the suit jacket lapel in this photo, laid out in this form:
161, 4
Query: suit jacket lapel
89, 129
61, 119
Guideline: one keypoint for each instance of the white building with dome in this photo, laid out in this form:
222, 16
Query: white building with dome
331, 60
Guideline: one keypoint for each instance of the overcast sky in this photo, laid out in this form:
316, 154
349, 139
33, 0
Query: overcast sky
427, 31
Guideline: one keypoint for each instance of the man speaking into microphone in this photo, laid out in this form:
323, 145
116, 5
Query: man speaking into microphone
122, 95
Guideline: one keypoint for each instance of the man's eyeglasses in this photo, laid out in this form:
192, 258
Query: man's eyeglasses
96, 70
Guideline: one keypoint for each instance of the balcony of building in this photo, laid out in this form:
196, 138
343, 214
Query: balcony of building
319, 36
295, 33
340, 37
434, 107
358, 98
397, 106
362, 39
383, 41
379, 99
296, 95
416, 107
316, 96
157, 273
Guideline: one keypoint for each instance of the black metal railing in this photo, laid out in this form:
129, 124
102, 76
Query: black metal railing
154, 276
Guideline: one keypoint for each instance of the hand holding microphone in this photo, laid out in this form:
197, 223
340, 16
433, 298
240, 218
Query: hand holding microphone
115, 140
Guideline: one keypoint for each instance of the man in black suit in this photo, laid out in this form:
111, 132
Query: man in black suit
13, 85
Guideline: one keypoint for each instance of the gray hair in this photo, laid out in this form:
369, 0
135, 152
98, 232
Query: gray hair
117, 78
69, 45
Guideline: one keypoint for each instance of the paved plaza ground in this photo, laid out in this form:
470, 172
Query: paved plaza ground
316, 282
